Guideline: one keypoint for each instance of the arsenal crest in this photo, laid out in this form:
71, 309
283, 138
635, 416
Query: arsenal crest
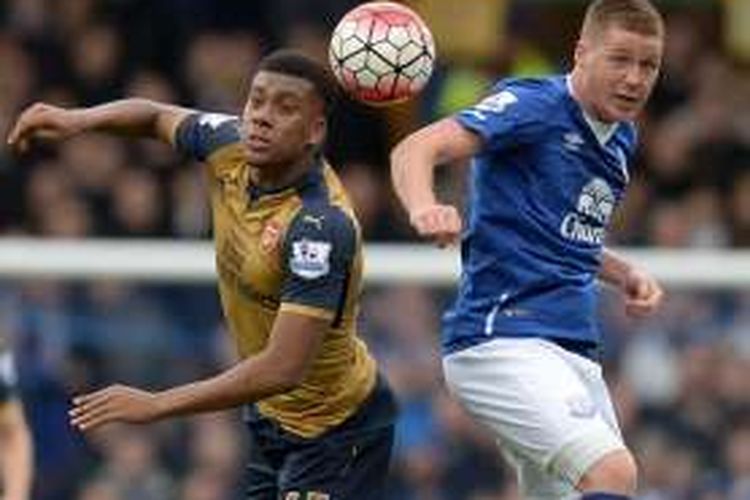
270, 236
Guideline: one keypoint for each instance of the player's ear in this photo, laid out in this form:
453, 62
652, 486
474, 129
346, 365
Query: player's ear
318, 131
579, 51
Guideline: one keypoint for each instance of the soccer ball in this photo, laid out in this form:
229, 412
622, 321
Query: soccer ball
382, 53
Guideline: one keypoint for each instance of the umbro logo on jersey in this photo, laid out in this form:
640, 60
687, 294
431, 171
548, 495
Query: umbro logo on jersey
573, 141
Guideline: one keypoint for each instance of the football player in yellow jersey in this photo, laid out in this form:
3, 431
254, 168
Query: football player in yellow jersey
15, 438
288, 255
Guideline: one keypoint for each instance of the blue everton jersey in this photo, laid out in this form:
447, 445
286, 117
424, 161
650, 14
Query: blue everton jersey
543, 189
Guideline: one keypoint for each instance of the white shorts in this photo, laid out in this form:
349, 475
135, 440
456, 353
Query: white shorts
549, 408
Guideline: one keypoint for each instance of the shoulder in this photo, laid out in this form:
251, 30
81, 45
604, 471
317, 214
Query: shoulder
521, 100
202, 134
537, 93
322, 221
318, 239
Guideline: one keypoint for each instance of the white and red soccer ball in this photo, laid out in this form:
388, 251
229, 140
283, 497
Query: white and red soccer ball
382, 53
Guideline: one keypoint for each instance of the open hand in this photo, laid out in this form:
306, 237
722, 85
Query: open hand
116, 403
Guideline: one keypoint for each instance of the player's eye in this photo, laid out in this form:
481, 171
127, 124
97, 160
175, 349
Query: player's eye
619, 59
650, 66
288, 107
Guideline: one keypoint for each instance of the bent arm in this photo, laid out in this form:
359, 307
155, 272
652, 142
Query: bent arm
643, 293
614, 269
414, 159
15, 443
279, 368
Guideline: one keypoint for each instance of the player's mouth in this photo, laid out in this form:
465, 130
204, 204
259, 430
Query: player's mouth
627, 100
258, 143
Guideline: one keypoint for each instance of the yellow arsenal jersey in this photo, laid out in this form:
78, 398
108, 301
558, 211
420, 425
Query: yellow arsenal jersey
297, 249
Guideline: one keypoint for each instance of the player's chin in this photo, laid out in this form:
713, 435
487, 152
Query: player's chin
622, 111
261, 157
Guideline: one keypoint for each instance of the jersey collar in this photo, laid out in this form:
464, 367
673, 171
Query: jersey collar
311, 177
602, 131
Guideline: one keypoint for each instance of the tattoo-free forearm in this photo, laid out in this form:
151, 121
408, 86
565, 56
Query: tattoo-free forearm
412, 171
413, 161
614, 268
132, 117
248, 381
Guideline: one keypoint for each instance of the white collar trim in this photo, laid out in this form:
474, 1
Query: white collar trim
602, 131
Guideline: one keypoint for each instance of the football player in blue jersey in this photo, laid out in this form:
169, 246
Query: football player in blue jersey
15, 438
550, 160
289, 261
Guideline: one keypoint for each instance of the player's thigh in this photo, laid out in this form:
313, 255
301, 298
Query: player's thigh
536, 483
268, 449
261, 474
352, 465
601, 397
534, 401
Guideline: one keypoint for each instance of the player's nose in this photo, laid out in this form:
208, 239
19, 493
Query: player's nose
261, 119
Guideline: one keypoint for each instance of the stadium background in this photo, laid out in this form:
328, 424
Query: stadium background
681, 381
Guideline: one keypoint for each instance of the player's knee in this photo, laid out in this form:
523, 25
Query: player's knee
616, 472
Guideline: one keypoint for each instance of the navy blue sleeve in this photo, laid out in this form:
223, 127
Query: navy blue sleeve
201, 134
514, 114
7, 377
317, 257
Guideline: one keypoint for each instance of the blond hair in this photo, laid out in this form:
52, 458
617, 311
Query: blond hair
638, 16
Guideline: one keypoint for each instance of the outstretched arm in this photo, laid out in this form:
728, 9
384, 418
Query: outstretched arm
643, 294
279, 368
15, 452
413, 162
130, 117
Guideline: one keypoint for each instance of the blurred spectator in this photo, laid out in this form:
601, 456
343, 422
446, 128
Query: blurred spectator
215, 83
132, 470
137, 209
95, 56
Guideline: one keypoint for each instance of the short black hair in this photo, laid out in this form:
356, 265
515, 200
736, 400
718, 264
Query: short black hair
294, 63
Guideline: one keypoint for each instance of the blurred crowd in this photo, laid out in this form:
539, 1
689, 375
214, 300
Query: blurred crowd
680, 381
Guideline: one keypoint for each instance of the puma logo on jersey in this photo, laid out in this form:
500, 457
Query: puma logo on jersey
316, 220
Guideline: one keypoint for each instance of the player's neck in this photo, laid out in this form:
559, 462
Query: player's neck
277, 176
577, 88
